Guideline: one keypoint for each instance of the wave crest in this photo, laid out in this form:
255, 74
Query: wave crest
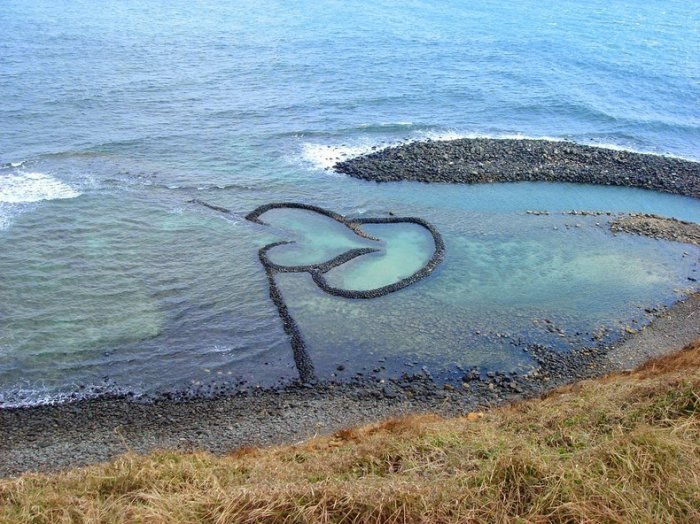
21, 188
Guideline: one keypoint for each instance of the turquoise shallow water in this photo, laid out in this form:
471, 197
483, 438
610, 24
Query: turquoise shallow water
113, 118
315, 238
404, 250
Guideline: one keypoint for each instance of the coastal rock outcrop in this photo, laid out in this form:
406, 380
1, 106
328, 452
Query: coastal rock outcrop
482, 160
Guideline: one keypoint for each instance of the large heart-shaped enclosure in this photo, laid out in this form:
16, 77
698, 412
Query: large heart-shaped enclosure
330, 248
352, 258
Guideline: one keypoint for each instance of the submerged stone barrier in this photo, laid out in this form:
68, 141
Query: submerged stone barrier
317, 271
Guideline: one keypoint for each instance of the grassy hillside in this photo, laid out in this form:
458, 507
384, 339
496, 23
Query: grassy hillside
625, 448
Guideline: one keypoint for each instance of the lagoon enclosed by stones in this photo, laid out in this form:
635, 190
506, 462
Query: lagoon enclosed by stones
134, 146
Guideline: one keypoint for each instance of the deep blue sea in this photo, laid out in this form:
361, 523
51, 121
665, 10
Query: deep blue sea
114, 115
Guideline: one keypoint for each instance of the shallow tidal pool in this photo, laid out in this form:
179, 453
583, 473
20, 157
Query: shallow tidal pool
123, 287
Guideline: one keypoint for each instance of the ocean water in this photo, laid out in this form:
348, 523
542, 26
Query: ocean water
113, 118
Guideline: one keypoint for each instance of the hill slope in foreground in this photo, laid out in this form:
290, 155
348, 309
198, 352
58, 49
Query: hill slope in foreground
622, 448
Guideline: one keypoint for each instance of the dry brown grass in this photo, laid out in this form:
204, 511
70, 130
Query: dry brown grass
625, 448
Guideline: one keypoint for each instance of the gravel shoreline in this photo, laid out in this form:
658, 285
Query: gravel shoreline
55, 437
482, 160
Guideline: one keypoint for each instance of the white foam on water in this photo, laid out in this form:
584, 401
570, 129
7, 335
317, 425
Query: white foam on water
27, 397
25, 188
20, 188
6, 215
617, 147
324, 156
41, 395
456, 135
400, 123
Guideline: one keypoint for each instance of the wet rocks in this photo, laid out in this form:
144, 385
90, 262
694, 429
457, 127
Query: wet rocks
64, 435
481, 160
657, 227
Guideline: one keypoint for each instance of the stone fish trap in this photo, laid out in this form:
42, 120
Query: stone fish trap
317, 271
